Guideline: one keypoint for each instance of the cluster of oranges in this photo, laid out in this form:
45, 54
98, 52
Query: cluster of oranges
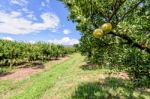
105, 28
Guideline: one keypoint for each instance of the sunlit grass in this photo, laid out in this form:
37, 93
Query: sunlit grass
68, 80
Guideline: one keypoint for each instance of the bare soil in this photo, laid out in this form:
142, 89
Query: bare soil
23, 71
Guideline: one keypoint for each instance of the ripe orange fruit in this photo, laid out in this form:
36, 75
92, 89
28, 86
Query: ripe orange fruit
107, 27
98, 33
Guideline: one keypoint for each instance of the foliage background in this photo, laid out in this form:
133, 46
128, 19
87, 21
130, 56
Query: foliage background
127, 45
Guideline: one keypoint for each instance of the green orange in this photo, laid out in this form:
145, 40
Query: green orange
107, 27
98, 33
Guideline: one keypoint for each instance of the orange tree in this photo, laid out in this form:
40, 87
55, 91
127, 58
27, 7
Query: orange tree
126, 45
14, 53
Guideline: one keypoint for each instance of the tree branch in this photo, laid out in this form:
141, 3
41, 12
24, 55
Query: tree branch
131, 42
130, 10
98, 11
116, 10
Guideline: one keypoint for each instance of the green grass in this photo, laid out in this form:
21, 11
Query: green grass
69, 81
4, 70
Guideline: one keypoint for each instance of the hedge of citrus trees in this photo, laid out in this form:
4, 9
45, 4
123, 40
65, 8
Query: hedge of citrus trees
12, 53
126, 45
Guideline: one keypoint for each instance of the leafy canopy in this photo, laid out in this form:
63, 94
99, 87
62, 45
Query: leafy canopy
128, 44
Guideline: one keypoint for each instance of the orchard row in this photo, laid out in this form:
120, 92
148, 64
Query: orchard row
18, 52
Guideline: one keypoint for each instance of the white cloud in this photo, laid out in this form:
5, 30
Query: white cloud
47, 1
31, 16
43, 4
19, 2
25, 10
15, 14
14, 2
66, 31
32, 42
65, 41
8, 38
13, 24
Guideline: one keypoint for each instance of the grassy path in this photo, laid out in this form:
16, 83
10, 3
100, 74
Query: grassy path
35, 86
69, 81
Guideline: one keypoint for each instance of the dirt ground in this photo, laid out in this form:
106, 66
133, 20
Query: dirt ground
22, 71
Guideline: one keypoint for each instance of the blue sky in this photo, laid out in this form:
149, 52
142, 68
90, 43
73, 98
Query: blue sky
36, 20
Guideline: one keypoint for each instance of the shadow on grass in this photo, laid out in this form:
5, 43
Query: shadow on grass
5, 73
36, 65
89, 66
110, 88
23, 65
